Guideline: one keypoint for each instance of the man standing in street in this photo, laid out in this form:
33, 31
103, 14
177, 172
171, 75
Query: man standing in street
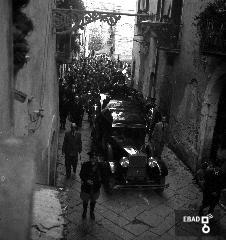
90, 175
212, 186
72, 145
160, 137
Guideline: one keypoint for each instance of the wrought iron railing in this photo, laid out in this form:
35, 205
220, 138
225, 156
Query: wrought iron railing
168, 33
213, 38
211, 28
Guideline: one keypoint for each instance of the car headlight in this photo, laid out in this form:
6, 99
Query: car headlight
124, 161
112, 166
152, 162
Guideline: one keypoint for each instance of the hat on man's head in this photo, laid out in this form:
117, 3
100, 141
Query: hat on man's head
74, 125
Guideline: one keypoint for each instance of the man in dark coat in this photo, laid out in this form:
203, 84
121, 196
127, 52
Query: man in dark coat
155, 116
76, 112
72, 145
90, 175
212, 187
63, 106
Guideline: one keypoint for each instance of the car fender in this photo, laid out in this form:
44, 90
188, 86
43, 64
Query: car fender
163, 167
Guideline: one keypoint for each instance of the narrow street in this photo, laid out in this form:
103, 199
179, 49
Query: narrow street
142, 70
128, 214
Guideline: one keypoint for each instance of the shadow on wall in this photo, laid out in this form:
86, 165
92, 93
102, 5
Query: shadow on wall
209, 112
53, 159
188, 156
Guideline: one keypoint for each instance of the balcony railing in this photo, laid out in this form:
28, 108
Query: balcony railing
211, 28
213, 38
167, 32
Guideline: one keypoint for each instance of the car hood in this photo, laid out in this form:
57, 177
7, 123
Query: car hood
127, 117
129, 147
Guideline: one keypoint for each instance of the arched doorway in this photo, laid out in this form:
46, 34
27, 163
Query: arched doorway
219, 135
212, 117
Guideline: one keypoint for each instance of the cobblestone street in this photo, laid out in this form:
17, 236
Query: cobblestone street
128, 214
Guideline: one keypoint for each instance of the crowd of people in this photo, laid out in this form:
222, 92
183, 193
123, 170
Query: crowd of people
80, 88
81, 85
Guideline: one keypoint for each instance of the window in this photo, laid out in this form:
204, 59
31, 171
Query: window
176, 11
169, 9
143, 6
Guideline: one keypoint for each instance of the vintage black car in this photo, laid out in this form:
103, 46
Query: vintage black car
127, 163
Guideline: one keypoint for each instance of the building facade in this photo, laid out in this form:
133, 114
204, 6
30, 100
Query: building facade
38, 115
29, 110
179, 58
29, 98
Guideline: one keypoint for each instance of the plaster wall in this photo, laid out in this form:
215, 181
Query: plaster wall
164, 84
38, 79
137, 57
144, 56
149, 62
18, 157
6, 60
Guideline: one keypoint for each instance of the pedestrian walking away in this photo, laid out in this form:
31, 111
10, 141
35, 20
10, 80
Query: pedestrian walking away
72, 146
90, 175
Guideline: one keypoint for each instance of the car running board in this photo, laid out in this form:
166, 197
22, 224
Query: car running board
157, 186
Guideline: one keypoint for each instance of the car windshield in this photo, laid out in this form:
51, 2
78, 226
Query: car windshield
129, 133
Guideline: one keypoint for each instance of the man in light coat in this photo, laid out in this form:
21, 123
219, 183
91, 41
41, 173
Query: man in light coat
160, 137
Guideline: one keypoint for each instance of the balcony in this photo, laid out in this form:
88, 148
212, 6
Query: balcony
213, 39
211, 28
165, 30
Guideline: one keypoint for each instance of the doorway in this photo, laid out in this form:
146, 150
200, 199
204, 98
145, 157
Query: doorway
219, 135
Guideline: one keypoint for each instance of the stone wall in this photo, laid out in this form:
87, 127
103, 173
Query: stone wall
38, 79
188, 78
184, 87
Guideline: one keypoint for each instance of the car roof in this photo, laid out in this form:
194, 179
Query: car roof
123, 105
126, 113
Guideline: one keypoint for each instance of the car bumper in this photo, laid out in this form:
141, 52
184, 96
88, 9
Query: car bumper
149, 186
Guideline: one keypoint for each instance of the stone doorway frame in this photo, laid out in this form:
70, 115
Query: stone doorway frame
209, 112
